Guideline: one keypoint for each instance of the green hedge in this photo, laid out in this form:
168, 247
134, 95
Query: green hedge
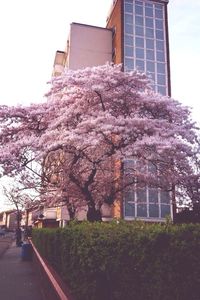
129, 261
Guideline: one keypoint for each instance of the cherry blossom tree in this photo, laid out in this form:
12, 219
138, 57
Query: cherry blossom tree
72, 146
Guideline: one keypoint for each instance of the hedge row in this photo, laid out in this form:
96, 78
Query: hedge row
129, 261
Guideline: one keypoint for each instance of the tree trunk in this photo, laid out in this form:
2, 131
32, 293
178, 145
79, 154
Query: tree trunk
71, 210
93, 214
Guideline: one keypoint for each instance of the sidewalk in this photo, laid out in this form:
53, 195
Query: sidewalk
18, 279
4, 244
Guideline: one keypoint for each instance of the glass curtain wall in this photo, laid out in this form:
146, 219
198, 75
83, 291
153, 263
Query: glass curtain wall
144, 202
145, 41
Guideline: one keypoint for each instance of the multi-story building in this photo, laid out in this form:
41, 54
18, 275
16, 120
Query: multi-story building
136, 35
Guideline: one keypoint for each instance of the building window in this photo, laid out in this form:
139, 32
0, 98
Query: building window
129, 51
161, 79
161, 89
149, 22
138, 10
129, 19
159, 13
150, 55
149, 44
144, 25
160, 55
148, 12
159, 35
160, 68
159, 24
139, 42
149, 33
129, 28
129, 64
150, 66
144, 202
139, 20
140, 64
128, 40
139, 53
139, 30
128, 8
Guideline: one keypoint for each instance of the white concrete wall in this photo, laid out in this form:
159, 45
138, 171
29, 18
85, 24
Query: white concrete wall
50, 213
88, 46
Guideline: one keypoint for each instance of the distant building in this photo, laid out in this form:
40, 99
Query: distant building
8, 219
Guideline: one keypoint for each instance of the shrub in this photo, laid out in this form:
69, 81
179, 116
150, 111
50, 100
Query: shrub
125, 261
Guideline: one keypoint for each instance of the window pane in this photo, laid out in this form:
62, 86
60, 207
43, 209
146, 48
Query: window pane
140, 64
153, 195
139, 42
128, 19
150, 44
159, 24
128, 51
165, 211
150, 54
138, 2
129, 207
139, 20
141, 210
149, 22
159, 13
139, 30
149, 5
153, 211
128, 7
164, 197
161, 79
139, 53
138, 10
159, 6
152, 76
161, 90
129, 165
160, 56
129, 63
141, 196
160, 45
148, 12
149, 33
161, 68
128, 28
152, 168
159, 35
150, 66
128, 39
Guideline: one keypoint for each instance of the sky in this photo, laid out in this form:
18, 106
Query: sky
32, 30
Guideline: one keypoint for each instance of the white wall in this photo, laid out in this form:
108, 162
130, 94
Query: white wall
89, 46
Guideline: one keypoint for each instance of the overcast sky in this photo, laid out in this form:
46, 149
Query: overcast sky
32, 30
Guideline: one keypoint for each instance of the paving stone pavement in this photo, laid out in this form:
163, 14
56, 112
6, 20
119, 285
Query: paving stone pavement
18, 278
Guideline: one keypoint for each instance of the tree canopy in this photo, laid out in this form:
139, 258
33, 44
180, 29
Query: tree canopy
93, 119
